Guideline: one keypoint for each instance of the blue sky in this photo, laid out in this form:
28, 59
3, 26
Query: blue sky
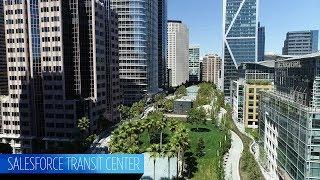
204, 19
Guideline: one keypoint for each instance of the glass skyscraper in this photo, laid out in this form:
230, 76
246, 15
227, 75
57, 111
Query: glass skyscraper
290, 119
301, 43
261, 42
162, 43
138, 47
194, 64
240, 39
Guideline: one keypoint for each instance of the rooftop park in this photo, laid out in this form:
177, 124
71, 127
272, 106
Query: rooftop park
208, 144
157, 135
258, 82
197, 141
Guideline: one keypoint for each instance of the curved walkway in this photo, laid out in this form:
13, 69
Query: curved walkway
254, 150
232, 160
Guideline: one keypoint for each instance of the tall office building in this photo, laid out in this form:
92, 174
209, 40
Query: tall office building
114, 93
178, 53
162, 43
261, 42
211, 68
301, 42
56, 55
138, 47
194, 64
3, 60
240, 37
290, 119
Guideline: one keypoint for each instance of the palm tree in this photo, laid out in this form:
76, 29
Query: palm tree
161, 125
155, 152
103, 123
83, 124
170, 152
175, 144
182, 138
119, 139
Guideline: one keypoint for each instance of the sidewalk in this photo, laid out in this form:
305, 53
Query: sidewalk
254, 150
232, 159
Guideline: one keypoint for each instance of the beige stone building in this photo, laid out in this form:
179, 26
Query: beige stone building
252, 101
211, 66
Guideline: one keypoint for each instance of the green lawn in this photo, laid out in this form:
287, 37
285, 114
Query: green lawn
208, 166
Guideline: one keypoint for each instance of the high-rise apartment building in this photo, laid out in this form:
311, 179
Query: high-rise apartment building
3, 60
138, 47
56, 56
194, 64
162, 43
178, 53
261, 42
211, 68
240, 37
290, 119
301, 42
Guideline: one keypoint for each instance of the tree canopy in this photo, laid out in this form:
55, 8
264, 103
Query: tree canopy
125, 139
196, 116
181, 91
205, 95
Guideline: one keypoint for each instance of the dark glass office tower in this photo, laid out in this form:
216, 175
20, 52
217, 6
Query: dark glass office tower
261, 42
194, 64
240, 38
162, 43
289, 119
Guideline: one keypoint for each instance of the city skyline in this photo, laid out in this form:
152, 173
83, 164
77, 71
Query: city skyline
89, 78
209, 35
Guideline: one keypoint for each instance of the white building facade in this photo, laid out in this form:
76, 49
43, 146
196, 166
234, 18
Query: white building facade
178, 53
